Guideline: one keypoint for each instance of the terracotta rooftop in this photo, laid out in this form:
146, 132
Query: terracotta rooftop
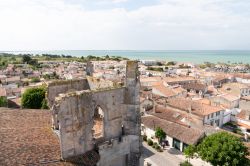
243, 114
178, 79
242, 75
27, 138
180, 132
166, 91
169, 115
245, 98
198, 108
166, 79
2, 91
204, 101
233, 88
195, 86
230, 97
14, 78
219, 78
243, 125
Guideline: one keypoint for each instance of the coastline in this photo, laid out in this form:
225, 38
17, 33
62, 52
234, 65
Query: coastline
192, 56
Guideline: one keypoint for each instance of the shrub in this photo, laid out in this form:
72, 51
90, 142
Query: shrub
160, 150
44, 104
3, 101
150, 142
155, 68
144, 137
171, 63
25, 83
33, 98
185, 163
35, 79
155, 145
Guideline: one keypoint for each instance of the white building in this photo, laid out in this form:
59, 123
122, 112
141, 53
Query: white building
178, 136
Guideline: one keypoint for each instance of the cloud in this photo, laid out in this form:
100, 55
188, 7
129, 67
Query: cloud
169, 24
119, 1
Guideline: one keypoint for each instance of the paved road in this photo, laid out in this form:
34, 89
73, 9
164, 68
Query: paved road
159, 159
170, 157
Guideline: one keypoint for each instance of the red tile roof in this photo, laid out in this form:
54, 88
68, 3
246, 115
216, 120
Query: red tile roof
26, 138
197, 108
174, 130
169, 115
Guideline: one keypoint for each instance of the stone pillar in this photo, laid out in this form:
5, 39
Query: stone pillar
132, 83
132, 100
89, 68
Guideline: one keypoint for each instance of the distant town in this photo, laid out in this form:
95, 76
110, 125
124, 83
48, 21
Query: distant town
181, 106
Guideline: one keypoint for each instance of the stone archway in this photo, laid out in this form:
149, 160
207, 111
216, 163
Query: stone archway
98, 127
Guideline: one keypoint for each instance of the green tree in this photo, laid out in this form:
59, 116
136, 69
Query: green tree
186, 163
160, 134
33, 98
33, 62
107, 57
26, 59
223, 149
190, 152
171, 63
3, 101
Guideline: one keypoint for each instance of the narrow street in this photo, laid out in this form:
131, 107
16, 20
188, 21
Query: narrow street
155, 158
169, 157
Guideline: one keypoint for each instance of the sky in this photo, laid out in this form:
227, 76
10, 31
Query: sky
124, 25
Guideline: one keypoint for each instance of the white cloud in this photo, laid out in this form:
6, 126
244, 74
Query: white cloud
171, 24
119, 1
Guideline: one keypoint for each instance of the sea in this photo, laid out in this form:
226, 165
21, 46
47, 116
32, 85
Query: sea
192, 56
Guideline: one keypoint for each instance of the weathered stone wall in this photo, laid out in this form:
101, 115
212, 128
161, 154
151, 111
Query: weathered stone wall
96, 83
58, 87
73, 113
118, 149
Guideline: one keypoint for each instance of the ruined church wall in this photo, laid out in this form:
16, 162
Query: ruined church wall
111, 102
75, 120
117, 153
76, 112
75, 109
58, 87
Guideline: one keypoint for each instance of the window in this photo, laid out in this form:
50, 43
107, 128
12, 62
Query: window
217, 113
212, 115
217, 122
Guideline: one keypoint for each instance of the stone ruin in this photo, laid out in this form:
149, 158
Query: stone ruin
98, 123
